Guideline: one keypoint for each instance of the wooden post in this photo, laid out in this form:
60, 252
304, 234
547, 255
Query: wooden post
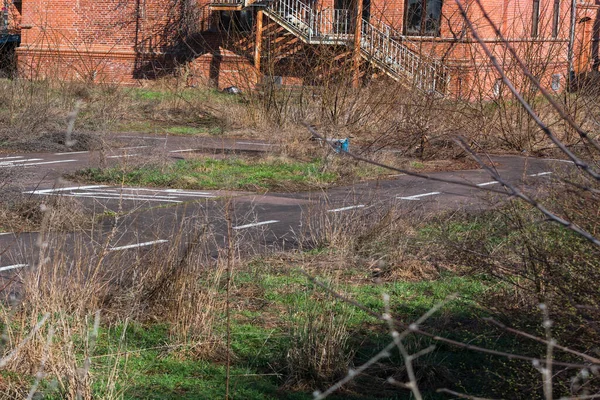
258, 43
357, 34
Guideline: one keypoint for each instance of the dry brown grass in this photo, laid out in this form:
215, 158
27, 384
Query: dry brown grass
73, 282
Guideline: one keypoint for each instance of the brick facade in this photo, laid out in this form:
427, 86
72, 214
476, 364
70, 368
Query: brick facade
129, 41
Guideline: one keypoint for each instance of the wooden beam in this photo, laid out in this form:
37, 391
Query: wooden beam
258, 42
357, 35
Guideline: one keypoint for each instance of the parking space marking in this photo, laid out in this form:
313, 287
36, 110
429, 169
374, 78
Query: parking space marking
22, 160
418, 196
541, 174
487, 183
46, 191
126, 193
133, 246
346, 208
10, 158
117, 197
29, 164
123, 155
273, 221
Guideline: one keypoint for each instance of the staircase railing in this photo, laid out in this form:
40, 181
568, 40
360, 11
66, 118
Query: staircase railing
379, 45
325, 25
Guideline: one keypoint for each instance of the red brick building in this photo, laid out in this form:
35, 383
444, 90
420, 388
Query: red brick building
239, 42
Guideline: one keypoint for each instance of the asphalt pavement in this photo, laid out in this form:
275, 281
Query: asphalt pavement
149, 217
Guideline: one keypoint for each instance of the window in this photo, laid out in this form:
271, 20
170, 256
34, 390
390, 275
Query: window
556, 82
536, 18
555, 18
423, 17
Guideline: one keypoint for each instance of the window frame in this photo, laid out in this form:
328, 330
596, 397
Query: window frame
555, 18
423, 19
535, 19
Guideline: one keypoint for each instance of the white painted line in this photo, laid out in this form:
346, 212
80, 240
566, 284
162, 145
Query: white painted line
45, 191
256, 224
71, 152
9, 267
559, 160
14, 162
418, 196
542, 174
123, 155
346, 208
5, 233
32, 164
178, 192
94, 196
487, 183
182, 151
47, 162
117, 195
10, 158
133, 246
255, 144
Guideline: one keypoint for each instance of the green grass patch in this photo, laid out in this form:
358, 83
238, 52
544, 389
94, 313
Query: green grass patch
207, 173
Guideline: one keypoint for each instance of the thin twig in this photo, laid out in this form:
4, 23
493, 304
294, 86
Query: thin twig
14, 351
532, 337
578, 162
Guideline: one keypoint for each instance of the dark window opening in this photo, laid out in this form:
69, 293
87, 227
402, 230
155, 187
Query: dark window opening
536, 18
423, 17
555, 18
236, 21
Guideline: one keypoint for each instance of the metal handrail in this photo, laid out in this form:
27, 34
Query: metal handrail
381, 44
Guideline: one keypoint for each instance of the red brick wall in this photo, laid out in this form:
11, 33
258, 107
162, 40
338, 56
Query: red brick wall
121, 41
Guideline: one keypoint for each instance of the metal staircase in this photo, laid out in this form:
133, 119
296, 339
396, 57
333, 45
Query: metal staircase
380, 45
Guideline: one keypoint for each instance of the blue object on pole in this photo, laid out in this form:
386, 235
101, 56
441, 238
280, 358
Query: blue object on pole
341, 145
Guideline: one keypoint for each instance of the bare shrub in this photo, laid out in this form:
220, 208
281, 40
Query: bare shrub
319, 350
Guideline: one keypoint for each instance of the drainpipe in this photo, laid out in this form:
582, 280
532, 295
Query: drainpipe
570, 50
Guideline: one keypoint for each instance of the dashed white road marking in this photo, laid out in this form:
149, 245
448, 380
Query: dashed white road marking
487, 183
133, 147
346, 208
71, 152
29, 164
133, 246
559, 160
9, 267
17, 162
5, 233
542, 174
46, 191
418, 196
182, 151
256, 224
117, 197
123, 155
10, 158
